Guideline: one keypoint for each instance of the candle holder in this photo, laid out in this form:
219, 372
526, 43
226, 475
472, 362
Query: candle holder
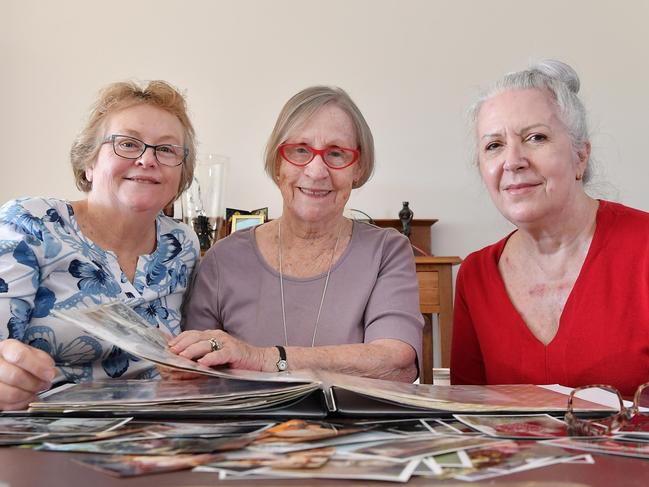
202, 202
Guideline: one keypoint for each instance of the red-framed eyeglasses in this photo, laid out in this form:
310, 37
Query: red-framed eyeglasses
333, 156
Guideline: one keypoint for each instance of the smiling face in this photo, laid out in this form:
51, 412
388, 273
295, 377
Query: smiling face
315, 193
526, 156
141, 185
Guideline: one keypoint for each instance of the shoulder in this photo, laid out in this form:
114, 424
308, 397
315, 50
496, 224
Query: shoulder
373, 249
34, 217
236, 247
621, 231
610, 213
35, 207
367, 235
482, 262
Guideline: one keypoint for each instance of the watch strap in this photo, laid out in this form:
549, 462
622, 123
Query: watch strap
282, 364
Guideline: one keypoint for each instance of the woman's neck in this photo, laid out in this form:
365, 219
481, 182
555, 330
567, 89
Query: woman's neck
296, 232
306, 250
111, 229
564, 233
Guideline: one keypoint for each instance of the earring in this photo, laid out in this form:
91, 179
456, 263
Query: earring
579, 176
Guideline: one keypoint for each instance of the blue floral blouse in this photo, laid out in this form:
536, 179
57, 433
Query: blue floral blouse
46, 263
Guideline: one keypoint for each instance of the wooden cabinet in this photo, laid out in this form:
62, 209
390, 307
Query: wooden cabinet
419, 232
435, 278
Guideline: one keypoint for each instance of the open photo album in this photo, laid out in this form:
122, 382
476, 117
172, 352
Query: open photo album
226, 392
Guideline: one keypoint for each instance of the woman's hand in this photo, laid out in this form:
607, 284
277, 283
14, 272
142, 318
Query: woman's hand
216, 347
24, 371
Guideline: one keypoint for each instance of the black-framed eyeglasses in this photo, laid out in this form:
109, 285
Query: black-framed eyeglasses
333, 156
132, 148
618, 419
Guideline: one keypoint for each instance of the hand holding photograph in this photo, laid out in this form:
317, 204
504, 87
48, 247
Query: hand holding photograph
118, 324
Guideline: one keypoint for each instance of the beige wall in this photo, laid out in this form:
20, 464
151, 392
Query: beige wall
412, 66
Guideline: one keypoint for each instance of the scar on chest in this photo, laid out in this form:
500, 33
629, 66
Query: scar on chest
544, 289
538, 290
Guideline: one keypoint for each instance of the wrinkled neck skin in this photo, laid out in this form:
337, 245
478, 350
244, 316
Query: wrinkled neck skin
563, 232
321, 234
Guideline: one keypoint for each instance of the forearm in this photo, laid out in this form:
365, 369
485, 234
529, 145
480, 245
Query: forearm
387, 359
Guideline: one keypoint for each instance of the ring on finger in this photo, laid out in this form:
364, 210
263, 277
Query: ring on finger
215, 345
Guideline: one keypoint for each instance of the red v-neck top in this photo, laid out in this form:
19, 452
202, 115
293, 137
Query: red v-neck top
603, 335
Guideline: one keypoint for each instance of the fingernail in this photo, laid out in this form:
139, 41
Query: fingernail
49, 375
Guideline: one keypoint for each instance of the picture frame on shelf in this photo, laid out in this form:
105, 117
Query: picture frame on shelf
230, 213
239, 222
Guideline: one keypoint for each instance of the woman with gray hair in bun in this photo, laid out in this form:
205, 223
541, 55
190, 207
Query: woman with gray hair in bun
311, 289
564, 298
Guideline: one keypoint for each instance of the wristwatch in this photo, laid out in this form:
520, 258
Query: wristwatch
282, 364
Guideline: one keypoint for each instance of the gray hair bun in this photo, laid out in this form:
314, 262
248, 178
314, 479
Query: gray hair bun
558, 71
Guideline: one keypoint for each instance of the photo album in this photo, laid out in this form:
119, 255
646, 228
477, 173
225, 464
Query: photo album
222, 391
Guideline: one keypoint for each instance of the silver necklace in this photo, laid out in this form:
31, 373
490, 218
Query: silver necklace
281, 282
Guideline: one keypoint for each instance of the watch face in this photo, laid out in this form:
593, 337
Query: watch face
282, 365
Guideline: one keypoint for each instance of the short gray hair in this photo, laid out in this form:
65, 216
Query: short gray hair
562, 82
303, 106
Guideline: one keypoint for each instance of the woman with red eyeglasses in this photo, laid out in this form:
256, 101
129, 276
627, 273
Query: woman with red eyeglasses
311, 289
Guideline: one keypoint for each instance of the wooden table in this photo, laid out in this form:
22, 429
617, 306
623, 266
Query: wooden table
435, 278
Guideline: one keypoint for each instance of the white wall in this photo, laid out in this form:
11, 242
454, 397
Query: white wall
412, 66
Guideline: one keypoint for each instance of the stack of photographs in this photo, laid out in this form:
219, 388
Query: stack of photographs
394, 450
16, 430
465, 448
